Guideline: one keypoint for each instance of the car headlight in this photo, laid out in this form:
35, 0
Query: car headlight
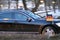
58, 24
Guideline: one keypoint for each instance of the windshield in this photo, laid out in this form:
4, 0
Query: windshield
33, 15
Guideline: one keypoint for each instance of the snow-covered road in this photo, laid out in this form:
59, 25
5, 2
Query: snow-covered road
24, 36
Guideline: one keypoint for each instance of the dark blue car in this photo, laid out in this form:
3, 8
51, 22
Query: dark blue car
24, 20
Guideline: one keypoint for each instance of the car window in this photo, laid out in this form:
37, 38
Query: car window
20, 17
5, 15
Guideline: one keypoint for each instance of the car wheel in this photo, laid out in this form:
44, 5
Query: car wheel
48, 31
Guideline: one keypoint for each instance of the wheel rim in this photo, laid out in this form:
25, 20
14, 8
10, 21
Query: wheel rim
48, 31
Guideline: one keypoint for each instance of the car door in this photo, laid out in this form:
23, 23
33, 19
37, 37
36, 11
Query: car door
21, 18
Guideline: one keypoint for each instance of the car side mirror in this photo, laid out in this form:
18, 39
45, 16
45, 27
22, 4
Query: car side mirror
29, 19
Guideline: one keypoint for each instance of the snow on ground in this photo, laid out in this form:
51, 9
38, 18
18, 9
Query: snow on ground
17, 36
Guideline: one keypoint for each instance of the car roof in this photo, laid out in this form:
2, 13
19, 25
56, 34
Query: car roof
13, 10
24, 12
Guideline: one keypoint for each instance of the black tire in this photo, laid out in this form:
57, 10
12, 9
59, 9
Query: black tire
53, 28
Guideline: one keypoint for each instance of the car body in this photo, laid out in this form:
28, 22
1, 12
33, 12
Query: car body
21, 16
23, 20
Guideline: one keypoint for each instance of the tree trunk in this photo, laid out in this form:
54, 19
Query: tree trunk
49, 5
54, 6
58, 4
16, 4
24, 3
36, 6
45, 1
8, 4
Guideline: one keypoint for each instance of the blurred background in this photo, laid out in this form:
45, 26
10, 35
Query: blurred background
39, 7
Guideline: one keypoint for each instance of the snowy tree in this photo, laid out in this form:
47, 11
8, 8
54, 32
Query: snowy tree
36, 6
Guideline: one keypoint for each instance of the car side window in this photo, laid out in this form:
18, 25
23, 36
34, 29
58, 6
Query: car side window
21, 17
